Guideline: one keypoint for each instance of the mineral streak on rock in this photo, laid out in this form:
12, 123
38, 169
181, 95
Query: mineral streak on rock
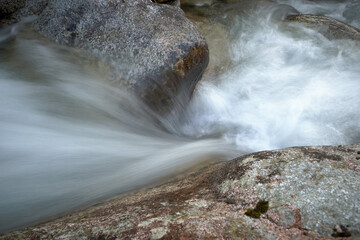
312, 193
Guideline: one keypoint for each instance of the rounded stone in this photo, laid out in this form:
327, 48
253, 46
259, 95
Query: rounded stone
329, 27
154, 51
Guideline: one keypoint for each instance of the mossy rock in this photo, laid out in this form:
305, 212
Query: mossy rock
261, 207
253, 213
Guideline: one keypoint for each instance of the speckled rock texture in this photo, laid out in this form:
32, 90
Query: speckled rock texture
329, 27
8, 7
153, 49
309, 193
13, 11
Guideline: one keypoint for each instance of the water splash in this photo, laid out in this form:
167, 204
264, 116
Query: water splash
289, 86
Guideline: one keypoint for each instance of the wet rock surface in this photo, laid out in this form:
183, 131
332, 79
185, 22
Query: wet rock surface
329, 27
153, 50
8, 7
301, 193
13, 11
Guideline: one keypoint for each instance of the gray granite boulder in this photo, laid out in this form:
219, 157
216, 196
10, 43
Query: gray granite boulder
152, 49
294, 193
316, 188
329, 27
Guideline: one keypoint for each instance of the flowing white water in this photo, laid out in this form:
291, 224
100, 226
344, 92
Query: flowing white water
289, 86
67, 140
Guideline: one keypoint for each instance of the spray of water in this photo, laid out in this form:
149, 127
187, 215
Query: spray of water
289, 86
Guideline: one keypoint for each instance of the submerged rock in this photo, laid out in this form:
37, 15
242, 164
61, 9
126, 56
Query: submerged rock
299, 193
154, 51
329, 27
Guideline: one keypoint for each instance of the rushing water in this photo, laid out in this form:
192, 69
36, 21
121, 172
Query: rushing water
69, 140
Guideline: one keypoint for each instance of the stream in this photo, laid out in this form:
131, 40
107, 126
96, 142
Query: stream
69, 140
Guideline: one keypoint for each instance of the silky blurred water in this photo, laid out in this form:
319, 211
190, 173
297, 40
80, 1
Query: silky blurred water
67, 139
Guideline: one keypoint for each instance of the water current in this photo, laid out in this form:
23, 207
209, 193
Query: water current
67, 139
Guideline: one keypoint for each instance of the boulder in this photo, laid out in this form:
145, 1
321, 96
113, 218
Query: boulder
152, 49
294, 193
329, 27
